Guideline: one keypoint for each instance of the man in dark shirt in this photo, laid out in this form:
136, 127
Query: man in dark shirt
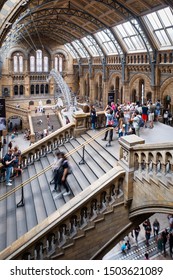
8, 159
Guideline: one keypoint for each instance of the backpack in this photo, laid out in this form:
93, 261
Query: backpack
158, 106
3, 161
140, 122
61, 169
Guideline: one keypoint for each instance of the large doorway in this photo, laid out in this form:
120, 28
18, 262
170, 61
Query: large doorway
15, 123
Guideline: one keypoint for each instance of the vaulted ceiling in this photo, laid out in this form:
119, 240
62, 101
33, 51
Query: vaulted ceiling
64, 21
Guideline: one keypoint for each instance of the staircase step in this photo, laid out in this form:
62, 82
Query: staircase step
37, 194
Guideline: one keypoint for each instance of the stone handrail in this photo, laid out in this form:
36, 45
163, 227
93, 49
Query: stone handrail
156, 158
32, 154
153, 161
62, 226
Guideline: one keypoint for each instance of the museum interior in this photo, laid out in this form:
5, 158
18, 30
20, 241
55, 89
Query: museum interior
59, 59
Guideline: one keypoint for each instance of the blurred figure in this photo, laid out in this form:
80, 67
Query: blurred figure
171, 244
147, 228
160, 243
156, 228
93, 115
164, 235
146, 256
136, 233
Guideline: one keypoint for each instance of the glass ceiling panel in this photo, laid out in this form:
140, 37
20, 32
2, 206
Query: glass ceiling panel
90, 46
71, 50
106, 41
160, 24
130, 37
79, 48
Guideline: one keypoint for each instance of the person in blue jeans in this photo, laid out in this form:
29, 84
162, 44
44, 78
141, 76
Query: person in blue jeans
93, 115
9, 160
109, 117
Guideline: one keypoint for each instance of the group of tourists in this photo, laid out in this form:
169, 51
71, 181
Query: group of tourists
128, 118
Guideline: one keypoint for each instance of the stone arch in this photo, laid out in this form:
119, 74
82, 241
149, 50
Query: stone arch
114, 86
31, 102
135, 84
15, 122
98, 84
60, 51
166, 90
86, 87
17, 49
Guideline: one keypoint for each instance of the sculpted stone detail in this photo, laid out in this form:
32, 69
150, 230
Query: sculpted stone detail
125, 155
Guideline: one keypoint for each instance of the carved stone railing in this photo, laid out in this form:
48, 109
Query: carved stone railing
148, 180
83, 122
47, 145
58, 230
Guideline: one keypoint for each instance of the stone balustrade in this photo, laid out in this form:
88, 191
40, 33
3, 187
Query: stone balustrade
47, 145
154, 159
148, 180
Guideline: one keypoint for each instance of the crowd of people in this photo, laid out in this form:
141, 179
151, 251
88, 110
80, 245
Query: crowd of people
128, 118
162, 237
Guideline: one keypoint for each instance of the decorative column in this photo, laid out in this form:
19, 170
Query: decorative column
126, 161
91, 81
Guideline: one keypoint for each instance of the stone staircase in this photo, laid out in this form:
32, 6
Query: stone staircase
53, 120
88, 165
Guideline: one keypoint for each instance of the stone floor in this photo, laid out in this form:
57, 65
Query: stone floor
141, 248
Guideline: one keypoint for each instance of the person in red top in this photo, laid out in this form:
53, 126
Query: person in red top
145, 113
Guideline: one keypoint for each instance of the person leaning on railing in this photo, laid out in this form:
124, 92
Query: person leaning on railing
9, 160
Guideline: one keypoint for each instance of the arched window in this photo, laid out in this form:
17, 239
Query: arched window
39, 60
42, 88
18, 63
37, 89
15, 63
15, 90
58, 63
32, 63
32, 89
21, 89
46, 68
46, 88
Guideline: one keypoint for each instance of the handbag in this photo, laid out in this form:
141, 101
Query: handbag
111, 122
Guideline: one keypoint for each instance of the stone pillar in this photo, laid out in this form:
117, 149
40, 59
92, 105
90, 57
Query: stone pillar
105, 94
126, 161
80, 120
27, 86
82, 87
92, 91
126, 93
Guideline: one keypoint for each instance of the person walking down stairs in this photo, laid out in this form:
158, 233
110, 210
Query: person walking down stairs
62, 172
9, 161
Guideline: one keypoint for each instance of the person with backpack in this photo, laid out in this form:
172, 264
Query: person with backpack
55, 167
151, 110
109, 123
62, 173
145, 113
8, 163
136, 122
157, 110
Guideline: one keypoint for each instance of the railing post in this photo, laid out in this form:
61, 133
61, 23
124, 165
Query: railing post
127, 162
